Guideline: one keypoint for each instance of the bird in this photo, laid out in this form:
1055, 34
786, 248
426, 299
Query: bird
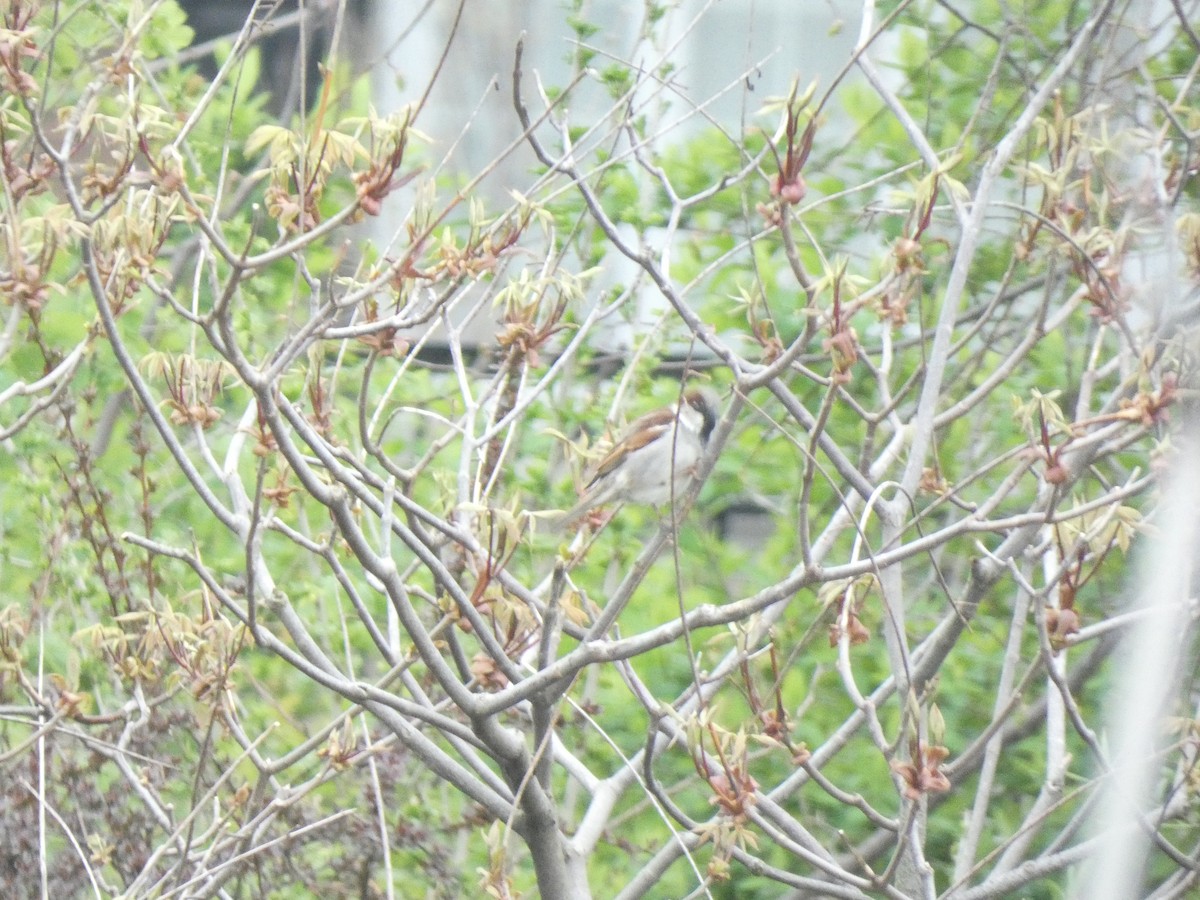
640, 468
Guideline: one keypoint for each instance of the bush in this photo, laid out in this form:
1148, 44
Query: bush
291, 610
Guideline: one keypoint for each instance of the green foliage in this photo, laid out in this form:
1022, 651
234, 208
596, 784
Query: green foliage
260, 539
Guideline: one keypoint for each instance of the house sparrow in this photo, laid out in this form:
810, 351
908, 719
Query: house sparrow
639, 467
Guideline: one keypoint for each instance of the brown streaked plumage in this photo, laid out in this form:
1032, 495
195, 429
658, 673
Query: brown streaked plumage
640, 466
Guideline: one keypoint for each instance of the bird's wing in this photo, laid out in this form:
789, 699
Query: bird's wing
641, 432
